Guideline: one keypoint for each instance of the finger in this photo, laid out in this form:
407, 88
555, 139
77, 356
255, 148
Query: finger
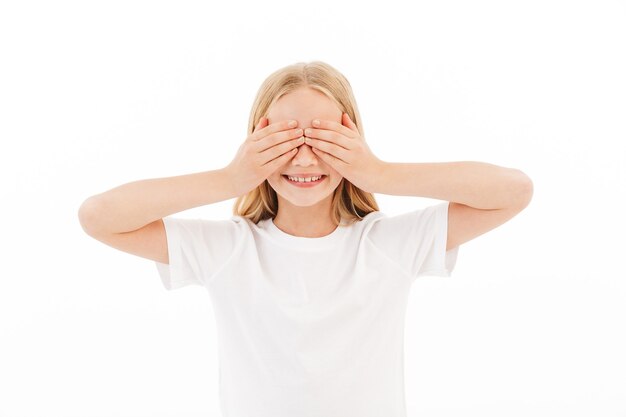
277, 138
329, 136
273, 128
329, 148
331, 125
261, 123
328, 158
278, 162
277, 150
347, 121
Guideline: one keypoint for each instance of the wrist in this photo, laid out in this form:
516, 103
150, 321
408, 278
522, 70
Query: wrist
228, 182
380, 172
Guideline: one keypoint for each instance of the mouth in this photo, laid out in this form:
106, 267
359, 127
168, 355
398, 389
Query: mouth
305, 184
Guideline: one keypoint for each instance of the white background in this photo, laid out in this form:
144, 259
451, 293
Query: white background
97, 94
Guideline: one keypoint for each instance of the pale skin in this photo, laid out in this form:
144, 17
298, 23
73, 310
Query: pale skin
482, 196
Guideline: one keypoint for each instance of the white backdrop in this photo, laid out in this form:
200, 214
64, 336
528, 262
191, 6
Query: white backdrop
97, 94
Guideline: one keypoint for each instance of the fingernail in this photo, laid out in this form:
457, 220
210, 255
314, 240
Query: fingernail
316, 122
292, 123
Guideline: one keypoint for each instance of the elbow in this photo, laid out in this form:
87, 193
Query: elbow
88, 215
524, 190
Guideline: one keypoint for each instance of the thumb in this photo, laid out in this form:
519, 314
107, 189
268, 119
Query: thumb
348, 122
262, 123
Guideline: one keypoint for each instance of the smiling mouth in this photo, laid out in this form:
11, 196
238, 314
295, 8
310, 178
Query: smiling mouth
305, 182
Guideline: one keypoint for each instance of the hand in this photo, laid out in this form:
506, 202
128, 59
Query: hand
263, 152
342, 147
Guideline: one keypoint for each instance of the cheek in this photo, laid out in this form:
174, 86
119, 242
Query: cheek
276, 180
335, 174
273, 180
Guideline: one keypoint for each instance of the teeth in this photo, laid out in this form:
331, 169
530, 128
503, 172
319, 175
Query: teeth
298, 179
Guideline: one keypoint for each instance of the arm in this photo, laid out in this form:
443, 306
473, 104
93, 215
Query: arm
475, 184
133, 205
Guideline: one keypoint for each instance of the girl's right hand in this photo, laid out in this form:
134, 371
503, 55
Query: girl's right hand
263, 152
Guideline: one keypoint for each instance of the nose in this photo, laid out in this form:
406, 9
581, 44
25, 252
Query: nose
305, 156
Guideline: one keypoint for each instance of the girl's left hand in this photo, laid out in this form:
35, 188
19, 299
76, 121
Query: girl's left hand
342, 147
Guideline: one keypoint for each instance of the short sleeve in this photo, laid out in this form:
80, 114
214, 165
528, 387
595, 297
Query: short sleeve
417, 240
197, 249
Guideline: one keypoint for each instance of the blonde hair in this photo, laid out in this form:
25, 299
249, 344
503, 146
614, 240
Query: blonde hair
348, 202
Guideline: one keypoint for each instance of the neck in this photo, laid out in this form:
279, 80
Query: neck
309, 221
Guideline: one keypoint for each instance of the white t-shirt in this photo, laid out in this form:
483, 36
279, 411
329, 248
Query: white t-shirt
310, 327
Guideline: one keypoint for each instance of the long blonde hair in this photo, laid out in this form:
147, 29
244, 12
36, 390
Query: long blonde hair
349, 202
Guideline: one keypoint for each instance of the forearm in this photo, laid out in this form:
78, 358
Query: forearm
133, 205
476, 184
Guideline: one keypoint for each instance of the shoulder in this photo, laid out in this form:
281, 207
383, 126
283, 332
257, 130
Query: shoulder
415, 224
420, 215
364, 225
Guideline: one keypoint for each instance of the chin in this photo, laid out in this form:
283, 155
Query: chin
301, 200
303, 204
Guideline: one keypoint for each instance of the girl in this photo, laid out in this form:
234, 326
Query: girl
308, 279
